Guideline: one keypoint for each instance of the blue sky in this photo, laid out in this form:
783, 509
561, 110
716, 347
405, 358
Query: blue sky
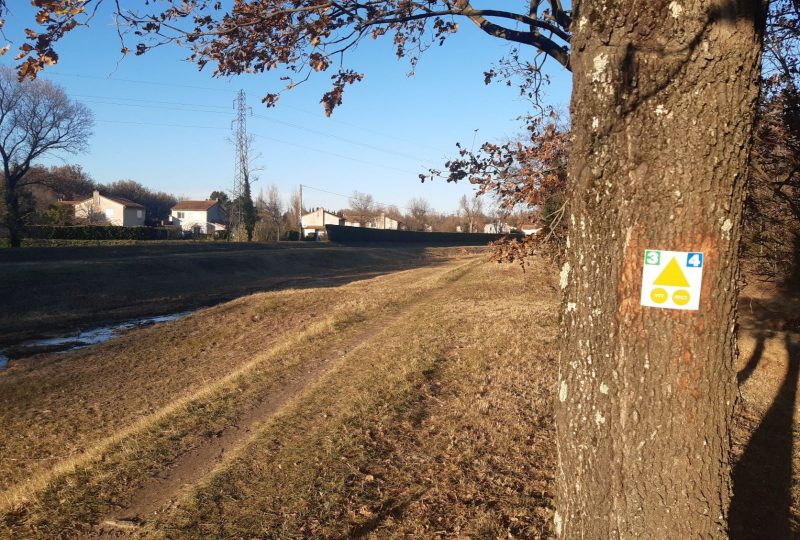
163, 123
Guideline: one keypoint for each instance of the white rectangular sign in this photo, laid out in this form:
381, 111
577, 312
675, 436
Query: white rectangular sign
672, 279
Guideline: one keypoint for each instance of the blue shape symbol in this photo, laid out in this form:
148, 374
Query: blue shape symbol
694, 260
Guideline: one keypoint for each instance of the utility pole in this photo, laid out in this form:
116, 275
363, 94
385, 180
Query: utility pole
300, 215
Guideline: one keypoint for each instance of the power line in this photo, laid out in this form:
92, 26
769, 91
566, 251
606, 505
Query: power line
274, 139
139, 81
210, 89
122, 98
155, 107
344, 139
364, 162
275, 121
159, 124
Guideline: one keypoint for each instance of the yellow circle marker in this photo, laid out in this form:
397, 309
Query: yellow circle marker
659, 295
681, 297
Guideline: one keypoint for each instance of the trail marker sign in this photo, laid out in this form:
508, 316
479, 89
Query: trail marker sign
672, 279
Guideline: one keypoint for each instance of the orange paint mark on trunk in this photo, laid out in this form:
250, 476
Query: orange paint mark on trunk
629, 288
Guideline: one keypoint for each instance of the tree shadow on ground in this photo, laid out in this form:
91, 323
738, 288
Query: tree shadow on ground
752, 363
762, 477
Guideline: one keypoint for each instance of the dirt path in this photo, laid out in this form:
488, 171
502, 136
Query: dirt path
161, 493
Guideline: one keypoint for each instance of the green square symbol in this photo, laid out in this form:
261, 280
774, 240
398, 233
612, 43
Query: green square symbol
652, 256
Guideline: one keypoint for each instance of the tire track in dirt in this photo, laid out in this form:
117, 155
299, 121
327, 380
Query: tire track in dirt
161, 493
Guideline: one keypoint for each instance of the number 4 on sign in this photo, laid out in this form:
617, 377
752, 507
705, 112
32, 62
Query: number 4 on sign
694, 260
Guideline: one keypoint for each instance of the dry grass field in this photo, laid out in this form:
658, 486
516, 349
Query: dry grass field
415, 404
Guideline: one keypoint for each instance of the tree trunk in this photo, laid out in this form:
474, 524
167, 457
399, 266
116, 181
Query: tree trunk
662, 110
13, 220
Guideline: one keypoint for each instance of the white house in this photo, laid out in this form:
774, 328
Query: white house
497, 228
350, 221
314, 222
203, 217
112, 210
383, 222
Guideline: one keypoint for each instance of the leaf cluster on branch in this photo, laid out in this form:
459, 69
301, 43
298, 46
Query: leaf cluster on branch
298, 36
528, 173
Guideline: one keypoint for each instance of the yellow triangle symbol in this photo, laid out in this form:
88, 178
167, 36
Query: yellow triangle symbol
672, 276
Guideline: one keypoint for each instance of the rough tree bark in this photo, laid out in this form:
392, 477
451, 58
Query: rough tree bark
662, 109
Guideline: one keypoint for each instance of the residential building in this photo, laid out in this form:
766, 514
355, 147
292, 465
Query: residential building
383, 222
498, 227
110, 210
350, 221
199, 217
314, 222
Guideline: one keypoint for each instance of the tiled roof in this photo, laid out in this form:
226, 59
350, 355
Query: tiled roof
124, 202
195, 205
120, 200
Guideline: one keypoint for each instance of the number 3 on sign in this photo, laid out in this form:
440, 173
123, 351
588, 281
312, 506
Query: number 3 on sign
694, 260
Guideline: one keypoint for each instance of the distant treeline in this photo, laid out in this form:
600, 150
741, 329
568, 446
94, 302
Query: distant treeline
45, 186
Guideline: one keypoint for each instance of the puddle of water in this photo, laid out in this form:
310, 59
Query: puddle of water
93, 336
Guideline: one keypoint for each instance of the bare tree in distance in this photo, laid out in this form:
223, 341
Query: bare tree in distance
294, 212
273, 210
363, 207
471, 209
419, 211
260, 202
36, 119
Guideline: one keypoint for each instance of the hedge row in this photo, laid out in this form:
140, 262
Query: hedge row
102, 232
344, 234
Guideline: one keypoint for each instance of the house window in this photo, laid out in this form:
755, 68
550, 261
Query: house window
109, 213
181, 215
139, 214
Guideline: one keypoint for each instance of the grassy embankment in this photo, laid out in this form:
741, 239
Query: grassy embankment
407, 340
57, 289
418, 406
